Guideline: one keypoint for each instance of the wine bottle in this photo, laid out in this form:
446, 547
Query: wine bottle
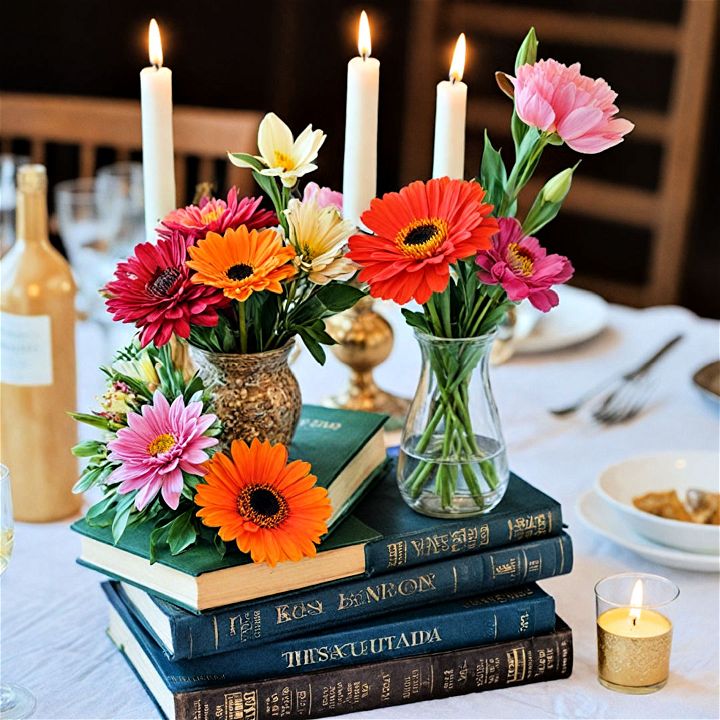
37, 372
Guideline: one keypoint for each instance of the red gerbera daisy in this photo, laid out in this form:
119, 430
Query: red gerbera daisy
217, 215
419, 233
152, 289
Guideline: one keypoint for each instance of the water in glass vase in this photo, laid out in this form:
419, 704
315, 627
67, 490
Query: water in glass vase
452, 460
446, 487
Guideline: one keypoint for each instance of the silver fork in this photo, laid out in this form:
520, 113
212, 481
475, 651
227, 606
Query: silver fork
625, 403
617, 382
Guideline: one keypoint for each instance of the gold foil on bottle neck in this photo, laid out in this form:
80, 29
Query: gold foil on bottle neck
32, 178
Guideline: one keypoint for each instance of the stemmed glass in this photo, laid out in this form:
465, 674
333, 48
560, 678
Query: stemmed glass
15, 702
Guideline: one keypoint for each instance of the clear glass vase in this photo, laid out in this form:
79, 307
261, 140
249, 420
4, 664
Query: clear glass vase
452, 459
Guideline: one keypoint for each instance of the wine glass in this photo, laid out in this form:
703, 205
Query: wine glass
15, 702
86, 234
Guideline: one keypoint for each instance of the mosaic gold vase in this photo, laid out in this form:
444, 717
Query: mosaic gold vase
255, 395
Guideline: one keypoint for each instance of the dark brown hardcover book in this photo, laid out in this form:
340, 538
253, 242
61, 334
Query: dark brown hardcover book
348, 689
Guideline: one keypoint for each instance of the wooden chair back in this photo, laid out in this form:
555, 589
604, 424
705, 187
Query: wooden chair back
664, 211
90, 123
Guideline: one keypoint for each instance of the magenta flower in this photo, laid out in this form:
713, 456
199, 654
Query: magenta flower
323, 196
522, 266
158, 446
152, 289
555, 98
216, 215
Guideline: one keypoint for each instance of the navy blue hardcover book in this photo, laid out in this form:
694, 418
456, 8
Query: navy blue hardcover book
381, 536
184, 634
478, 620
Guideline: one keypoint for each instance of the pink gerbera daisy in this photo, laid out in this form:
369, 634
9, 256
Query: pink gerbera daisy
522, 266
217, 215
152, 289
158, 446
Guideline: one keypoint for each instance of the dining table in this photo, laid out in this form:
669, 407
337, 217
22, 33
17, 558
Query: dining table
53, 614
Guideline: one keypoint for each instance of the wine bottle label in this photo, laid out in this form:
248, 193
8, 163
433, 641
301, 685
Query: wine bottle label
26, 349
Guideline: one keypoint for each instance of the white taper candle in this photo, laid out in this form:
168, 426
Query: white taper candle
361, 121
450, 113
157, 136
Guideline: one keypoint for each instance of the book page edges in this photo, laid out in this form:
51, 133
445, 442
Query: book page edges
229, 585
127, 644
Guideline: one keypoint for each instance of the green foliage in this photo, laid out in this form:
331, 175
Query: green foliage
179, 528
493, 176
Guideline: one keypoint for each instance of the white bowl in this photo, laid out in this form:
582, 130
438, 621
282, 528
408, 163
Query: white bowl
679, 471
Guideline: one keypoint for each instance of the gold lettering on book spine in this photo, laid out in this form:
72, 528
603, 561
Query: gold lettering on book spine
529, 526
397, 554
241, 706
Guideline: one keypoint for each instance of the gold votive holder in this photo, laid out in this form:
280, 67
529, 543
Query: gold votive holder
634, 631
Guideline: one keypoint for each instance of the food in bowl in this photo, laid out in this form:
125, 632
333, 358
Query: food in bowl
699, 507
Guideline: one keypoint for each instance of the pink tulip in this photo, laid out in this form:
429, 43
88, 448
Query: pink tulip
557, 99
323, 196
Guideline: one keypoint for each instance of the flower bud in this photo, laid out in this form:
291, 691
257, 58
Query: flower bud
527, 54
557, 187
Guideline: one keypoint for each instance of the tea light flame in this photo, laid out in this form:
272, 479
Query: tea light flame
636, 601
364, 44
457, 66
155, 44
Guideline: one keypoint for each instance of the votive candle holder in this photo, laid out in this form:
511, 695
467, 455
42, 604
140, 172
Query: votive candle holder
634, 631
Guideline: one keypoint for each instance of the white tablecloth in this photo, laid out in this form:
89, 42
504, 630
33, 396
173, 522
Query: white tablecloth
53, 612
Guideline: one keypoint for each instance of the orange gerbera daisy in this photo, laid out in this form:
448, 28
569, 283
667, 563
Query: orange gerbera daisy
418, 233
271, 508
242, 262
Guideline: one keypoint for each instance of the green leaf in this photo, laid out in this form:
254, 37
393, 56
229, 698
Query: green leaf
519, 130
337, 297
155, 537
249, 159
493, 176
315, 348
527, 54
100, 507
181, 533
122, 515
415, 319
87, 480
88, 448
93, 420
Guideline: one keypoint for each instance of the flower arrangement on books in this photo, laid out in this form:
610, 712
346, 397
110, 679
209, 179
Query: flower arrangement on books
157, 464
458, 250
239, 283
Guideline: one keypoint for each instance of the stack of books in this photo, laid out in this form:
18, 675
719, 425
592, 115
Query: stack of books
395, 608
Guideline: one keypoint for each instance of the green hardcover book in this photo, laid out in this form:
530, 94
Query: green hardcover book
347, 452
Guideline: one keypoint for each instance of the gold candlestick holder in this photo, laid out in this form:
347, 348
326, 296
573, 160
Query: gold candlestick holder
364, 341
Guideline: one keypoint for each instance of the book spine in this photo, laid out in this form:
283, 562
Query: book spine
483, 533
384, 684
309, 610
471, 623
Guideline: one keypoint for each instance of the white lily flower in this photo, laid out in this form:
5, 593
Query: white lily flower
283, 156
319, 236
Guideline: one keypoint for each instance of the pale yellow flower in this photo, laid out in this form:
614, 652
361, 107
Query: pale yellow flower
319, 236
141, 368
283, 156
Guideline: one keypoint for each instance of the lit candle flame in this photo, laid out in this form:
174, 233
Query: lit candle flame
457, 66
155, 44
364, 44
636, 601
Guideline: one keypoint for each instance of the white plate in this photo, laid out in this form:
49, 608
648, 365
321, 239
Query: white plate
600, 517
661, 472
581, 315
